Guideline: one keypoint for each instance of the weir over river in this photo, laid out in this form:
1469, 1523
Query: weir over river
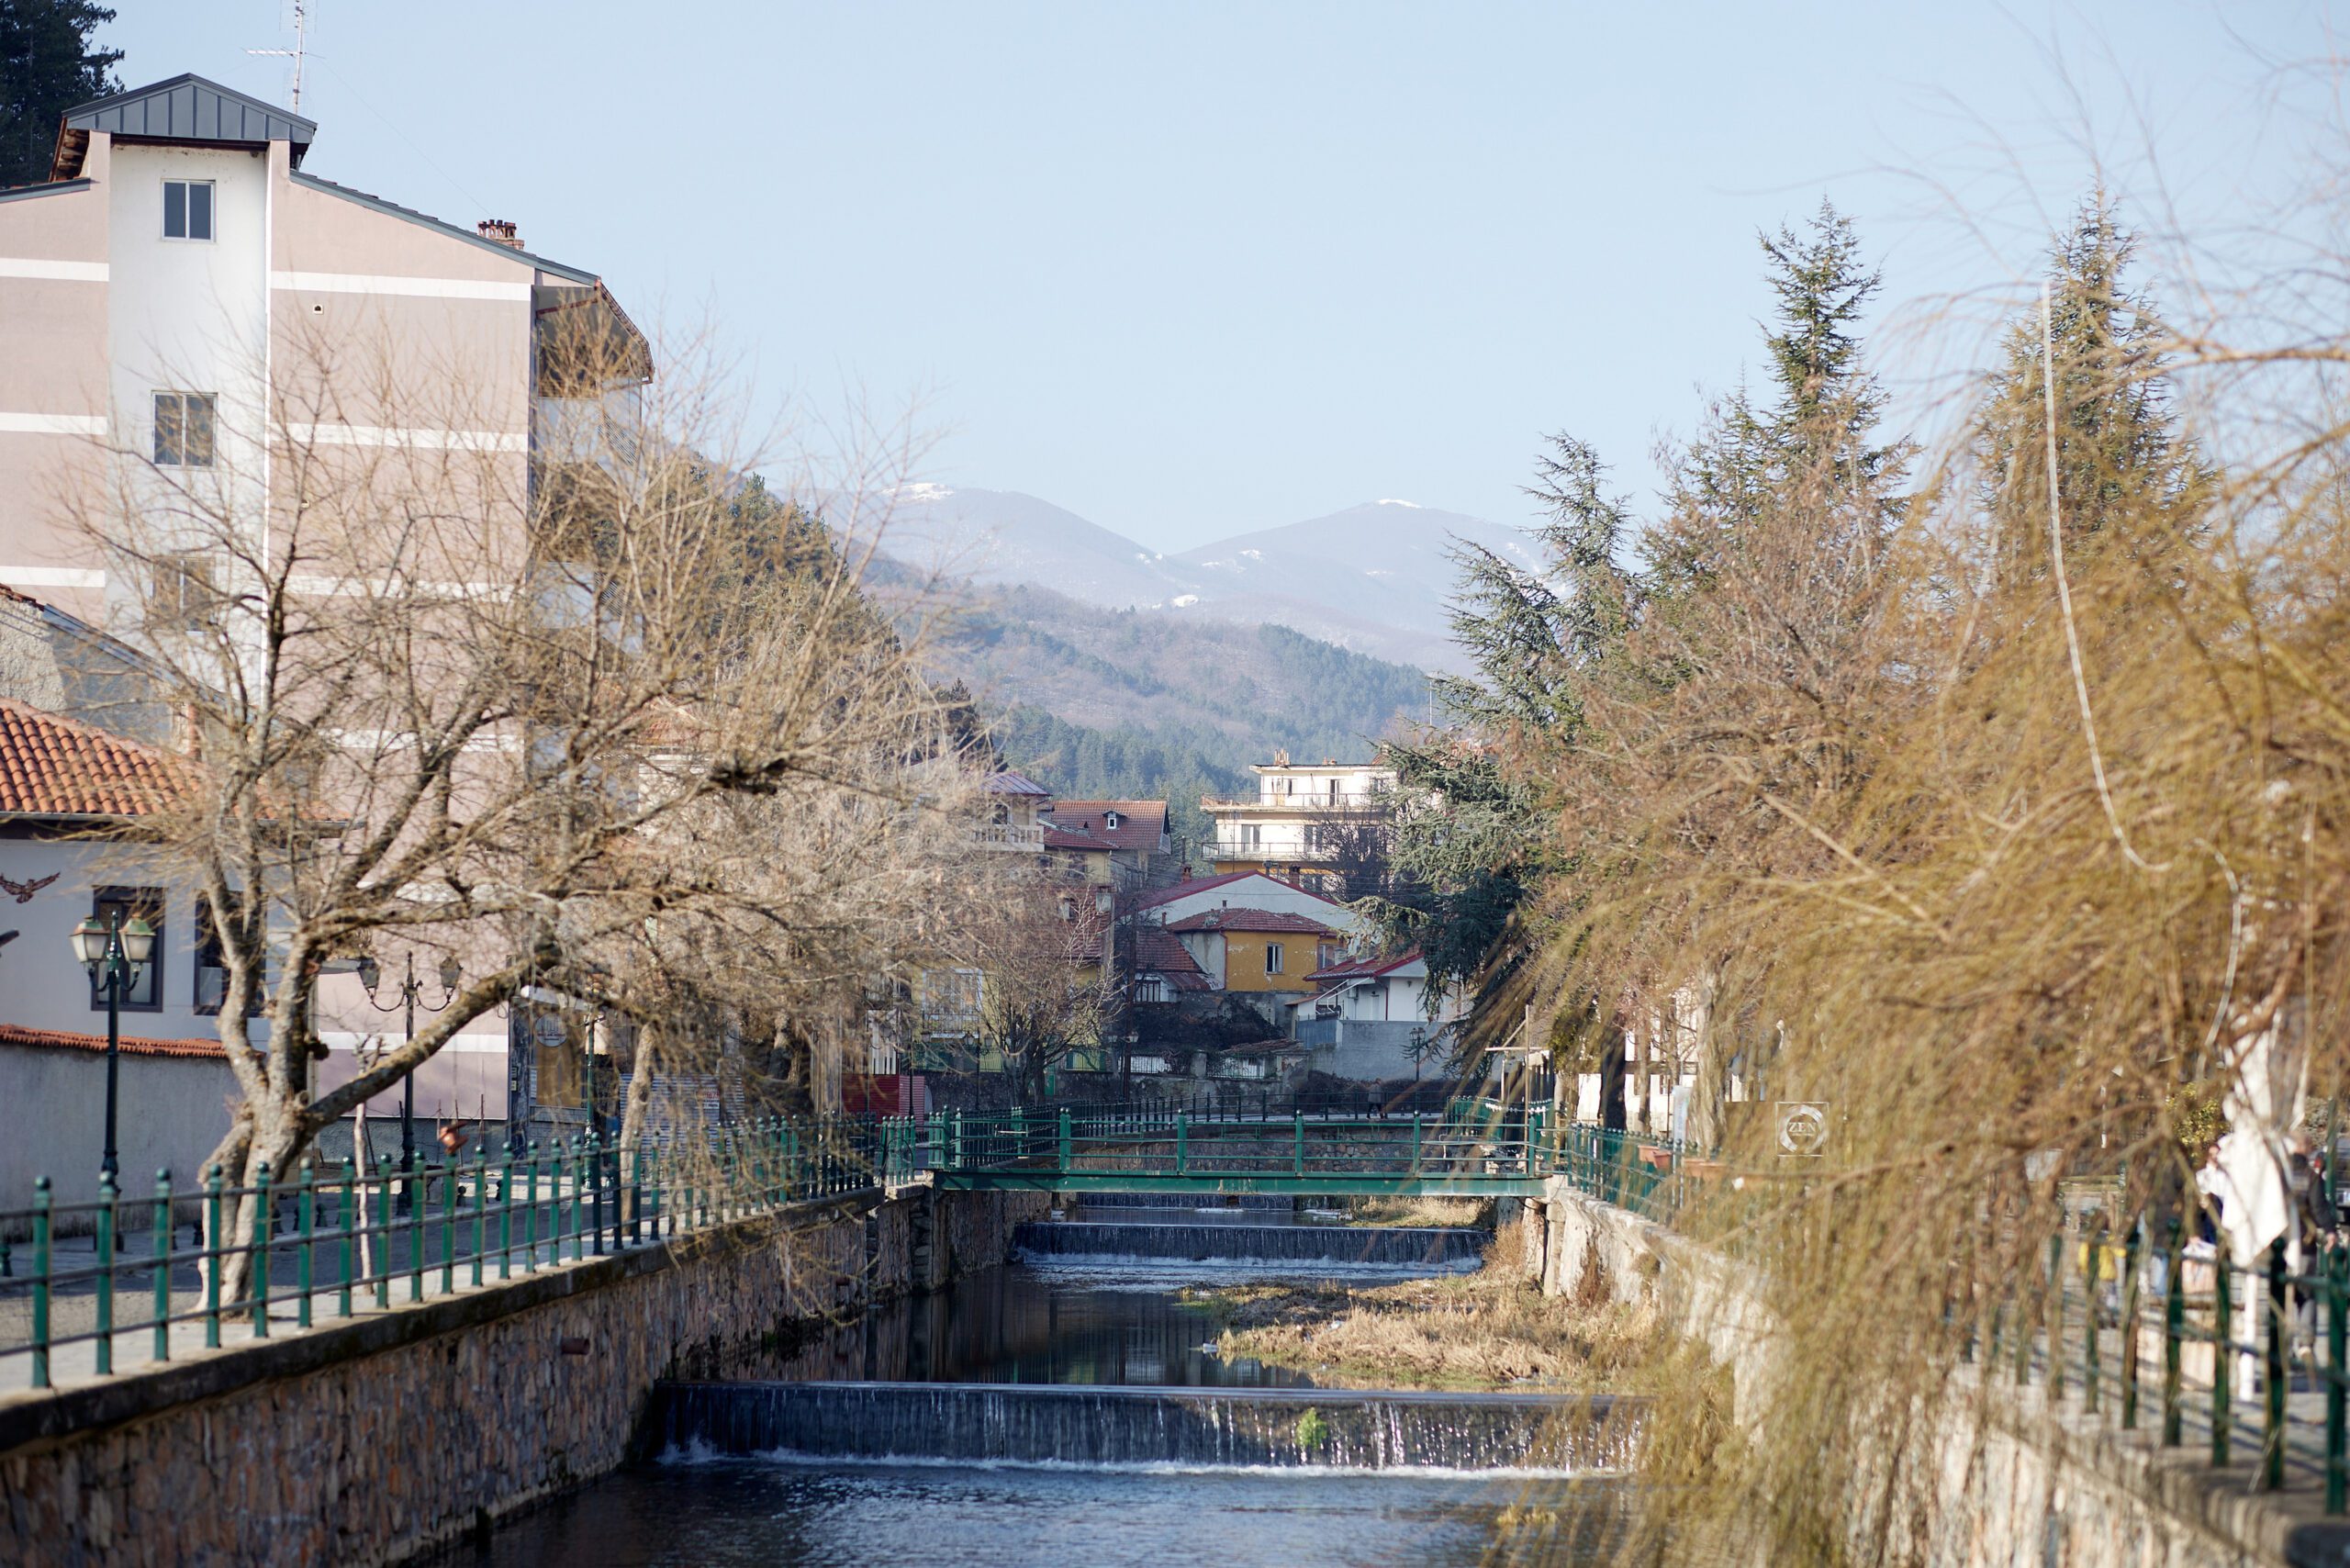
1072, 1411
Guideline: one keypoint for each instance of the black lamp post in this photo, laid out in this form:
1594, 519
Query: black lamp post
369, 972
112, 952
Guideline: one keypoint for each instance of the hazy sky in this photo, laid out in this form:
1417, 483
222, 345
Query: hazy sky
1192, 268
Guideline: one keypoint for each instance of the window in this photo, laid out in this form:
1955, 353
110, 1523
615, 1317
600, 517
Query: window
185, 596
1272, 958
212, 968
1150, 988
1109, 819
950, 995
187, 210
1251, 835
144, 992
184, 429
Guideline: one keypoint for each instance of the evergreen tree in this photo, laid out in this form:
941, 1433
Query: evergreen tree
46, 66
2119, 452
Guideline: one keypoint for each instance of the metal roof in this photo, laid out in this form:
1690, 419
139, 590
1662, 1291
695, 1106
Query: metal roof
188, 107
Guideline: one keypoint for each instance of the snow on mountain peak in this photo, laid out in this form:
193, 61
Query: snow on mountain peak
1391, 501
923, 491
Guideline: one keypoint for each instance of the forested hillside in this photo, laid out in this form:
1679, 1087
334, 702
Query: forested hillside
1149, 703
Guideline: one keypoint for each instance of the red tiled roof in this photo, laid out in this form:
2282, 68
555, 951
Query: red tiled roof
1249, 920
1158, 952
61, 1040
1365, 968
54, 767
1141, 824
1059, 837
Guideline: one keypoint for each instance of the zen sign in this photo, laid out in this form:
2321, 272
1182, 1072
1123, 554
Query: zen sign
1802, 1127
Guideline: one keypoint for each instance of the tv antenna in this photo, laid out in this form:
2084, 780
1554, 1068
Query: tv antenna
301, 40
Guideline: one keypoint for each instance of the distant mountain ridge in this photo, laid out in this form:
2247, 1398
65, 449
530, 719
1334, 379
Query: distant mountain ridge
1373, 579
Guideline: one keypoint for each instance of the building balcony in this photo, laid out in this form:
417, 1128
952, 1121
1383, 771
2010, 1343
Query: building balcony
1304, 807
1028, 837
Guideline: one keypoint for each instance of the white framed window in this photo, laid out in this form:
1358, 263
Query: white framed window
1272, 958
1150, 988
187, 210
184, 429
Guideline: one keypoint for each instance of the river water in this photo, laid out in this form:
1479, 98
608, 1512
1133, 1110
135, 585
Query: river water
1090, 1322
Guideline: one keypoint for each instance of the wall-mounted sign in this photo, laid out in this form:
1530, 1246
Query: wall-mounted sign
1802, 1126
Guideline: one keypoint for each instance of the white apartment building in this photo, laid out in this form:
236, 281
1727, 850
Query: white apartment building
183, 292
1303, 815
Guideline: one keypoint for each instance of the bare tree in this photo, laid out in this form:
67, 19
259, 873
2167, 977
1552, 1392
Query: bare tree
603, 717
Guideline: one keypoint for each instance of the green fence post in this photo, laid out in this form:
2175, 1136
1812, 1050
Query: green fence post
2174, 1322
505, 1212
346, 1217
103, 1219
2055, 1326
481, 1211
383, 1269
41, 1281
2222, 1354
448, 1227
163, 1264
306, 1201
2130, 1264
1061, 1155
2272, 1451
1182, 1142
2337, 1342
2336, 1275
530, 1207
212, 1256
1297, 1122
257, 1250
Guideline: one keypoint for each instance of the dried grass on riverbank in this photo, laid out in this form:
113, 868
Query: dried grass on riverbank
1484, 1330
1460, 1213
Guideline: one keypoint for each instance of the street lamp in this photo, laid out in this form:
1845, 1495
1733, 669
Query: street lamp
111, 953
412, 989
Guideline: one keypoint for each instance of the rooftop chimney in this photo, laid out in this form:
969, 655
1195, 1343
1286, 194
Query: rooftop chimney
498, 231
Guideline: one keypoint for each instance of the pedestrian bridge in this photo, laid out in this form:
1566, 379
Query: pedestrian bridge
1468, 1151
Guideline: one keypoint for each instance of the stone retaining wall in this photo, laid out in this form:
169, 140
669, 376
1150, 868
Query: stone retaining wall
2024, 1485
370, 1441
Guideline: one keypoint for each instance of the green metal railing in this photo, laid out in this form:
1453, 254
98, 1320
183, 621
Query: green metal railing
112, 1276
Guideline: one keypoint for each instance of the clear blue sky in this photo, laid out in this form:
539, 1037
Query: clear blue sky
1191, 269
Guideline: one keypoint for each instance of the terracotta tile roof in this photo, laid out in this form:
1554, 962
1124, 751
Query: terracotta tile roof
1269, 920
1158, 952
1365, 968
54, 767
63, 1040
1059, 837
1141, 824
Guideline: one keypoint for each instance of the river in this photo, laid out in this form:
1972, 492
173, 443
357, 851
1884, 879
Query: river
1115, 1326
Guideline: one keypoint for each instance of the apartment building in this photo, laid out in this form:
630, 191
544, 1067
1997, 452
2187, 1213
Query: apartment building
1307, 821
183, 287
189, 311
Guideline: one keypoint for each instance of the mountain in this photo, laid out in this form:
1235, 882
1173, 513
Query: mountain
1373, 578
1155, 702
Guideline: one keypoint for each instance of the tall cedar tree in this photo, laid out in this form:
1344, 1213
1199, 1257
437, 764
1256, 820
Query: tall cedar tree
46, 66
2120, 454
1468, 838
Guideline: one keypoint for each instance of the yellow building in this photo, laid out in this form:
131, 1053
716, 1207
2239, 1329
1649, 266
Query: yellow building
1258, 950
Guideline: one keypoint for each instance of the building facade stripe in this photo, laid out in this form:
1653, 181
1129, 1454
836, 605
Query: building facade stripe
420, 288
60, 272
53, 424
422, 440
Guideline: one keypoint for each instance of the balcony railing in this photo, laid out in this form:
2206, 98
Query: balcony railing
1028, 836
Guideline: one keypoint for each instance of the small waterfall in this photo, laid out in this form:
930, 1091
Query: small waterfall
1396, 1245
1336, 1429
1190, 1203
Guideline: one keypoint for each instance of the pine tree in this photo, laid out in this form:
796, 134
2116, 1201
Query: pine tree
46, 66
2119, 452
